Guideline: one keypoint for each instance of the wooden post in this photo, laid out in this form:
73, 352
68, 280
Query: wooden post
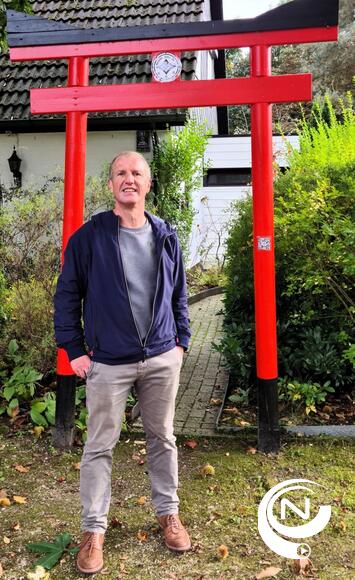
73, 215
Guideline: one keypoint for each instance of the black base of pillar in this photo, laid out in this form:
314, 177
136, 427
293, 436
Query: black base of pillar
268, 416
63, 432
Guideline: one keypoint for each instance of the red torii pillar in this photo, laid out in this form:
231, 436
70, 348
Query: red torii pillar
297, 22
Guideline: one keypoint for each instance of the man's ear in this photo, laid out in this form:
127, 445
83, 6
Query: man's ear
109, 183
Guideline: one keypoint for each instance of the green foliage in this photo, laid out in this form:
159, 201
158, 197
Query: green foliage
53, 551
177, 170
237, 66
30, 321
241, 397
314, 236
42, 410
20, 385
305, 395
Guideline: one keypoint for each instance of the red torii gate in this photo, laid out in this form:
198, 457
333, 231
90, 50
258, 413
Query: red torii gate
300, 21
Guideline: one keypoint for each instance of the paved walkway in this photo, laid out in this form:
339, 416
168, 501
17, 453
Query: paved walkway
203, 380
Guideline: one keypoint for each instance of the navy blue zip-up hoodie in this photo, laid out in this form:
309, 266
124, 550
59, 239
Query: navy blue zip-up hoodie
93, 285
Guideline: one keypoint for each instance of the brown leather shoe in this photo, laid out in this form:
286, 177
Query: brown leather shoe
176, 537
90, 555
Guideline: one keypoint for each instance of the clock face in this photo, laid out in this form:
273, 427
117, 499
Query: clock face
166, 67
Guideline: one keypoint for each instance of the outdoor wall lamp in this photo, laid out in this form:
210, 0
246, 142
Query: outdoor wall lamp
143, 140
15, 163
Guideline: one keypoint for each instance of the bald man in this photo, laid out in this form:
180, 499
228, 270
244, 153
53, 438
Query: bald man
123, 275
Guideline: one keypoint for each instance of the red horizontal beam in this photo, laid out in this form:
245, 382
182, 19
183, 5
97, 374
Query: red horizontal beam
218, 41
278, 89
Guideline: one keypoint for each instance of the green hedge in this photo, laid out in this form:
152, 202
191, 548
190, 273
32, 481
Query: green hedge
315, 265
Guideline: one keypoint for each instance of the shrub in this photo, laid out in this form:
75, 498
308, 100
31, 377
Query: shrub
177, 171
314, 232
30, 322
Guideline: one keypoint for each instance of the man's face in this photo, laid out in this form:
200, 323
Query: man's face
130, 181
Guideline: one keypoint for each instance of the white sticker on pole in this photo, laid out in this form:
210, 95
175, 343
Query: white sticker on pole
264, 243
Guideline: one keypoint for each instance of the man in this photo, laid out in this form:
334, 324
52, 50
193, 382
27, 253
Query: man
125, 268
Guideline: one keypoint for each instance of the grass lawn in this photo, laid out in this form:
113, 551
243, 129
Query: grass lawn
219, 509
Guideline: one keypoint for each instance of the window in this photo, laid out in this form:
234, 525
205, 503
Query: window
237, 176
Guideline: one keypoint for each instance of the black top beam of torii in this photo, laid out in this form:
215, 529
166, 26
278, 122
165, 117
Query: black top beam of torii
27, 30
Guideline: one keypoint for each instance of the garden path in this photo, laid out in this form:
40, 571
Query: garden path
203, 379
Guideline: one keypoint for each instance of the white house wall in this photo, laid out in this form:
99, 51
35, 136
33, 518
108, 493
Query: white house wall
42, 154
213, 204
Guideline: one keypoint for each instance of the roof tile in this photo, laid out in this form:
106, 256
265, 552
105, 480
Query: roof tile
17, 78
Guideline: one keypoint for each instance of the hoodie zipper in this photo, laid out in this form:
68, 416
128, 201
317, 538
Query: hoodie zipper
156, 289
143, 344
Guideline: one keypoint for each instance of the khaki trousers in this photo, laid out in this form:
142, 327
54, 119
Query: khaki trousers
156, 382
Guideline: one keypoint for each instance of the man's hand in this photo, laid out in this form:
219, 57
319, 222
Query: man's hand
181, 349
81, 365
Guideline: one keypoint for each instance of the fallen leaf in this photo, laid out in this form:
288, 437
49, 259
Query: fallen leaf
269, 572
6, 540
1, 570
2, 493
142, 536
4, 502
208, 469
21, 469
251, 451
115, 522
38, 430
61, 479
216, 401
19, 499
327, 409
39, 574
77, 466
191, 443
138, 458
302, 566
141, 500
222, 552
15, 527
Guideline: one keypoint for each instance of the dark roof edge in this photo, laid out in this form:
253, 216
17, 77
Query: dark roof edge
115, 124
23, 29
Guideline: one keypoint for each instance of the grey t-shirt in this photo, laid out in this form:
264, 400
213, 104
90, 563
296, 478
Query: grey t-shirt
140, 264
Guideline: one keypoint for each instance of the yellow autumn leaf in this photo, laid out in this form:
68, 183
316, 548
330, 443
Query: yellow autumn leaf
38, 430
141, 500
4, 502
39, 574
19, 499
208, 469
21, 469
6, 540
142, 536
77, 466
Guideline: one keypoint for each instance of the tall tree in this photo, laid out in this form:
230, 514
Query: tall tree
331, 65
